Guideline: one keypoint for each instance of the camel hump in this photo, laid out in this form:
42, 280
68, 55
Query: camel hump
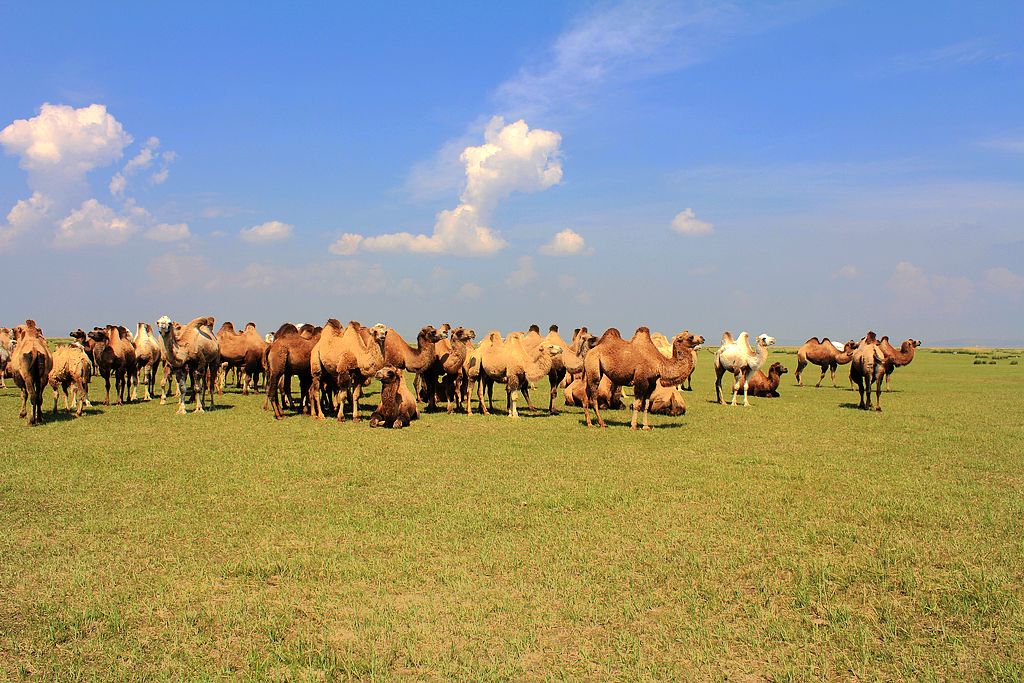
814, 340
553, 328
727, 338
534, 328
205, 321
250, 324
610, 333
643, 329
286, 329
226, 327
30, 324
333, 323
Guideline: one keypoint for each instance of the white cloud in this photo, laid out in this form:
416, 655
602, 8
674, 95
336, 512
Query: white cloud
26, 216
1005, 281
141, 162
687, 223
513, 158
97, 224
271, 231
523, 274
165, 232
565, 243
470, 292
913, 289
847, 272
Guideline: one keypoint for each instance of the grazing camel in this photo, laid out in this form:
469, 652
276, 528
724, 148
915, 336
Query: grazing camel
6, 346
897, 358
114, 353
342, 360
289, 354
509, 362
190, 350
737, 357
72, 370
823, 354
397, 404
767, 386
867, 368
636, 363
31, 363
665, 346
148, 357
242, 351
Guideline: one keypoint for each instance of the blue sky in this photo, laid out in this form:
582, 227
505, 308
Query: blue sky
791, 168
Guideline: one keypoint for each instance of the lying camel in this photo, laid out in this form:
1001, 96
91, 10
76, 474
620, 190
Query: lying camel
636, 363
397, 404
737, 357
867, 368
823, 354
32, 362
766, 386
609, 396
72, 370
897, 358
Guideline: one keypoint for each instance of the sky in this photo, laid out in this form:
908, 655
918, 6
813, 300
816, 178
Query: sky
792, 168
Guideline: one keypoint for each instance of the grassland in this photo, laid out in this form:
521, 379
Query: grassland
800, 539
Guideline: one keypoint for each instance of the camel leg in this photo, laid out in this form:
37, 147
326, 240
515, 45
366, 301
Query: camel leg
106, 379
555, 382
179, 377
888, 384
357, 390
832, 371
510, 400
55, 399
24, 403
746, 384
824, 369
590, 397
735, 387
526, 393
315, 406
878, 394
200, 383
801, 363
719, 372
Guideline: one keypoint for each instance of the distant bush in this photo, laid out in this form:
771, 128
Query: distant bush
978, 361
1013, 362
991, 362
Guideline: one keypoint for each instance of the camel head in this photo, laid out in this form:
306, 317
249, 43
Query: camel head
378, 332
779, 368
99, 336
850, 346
765, 340
694, 341
552, 349
388, 375
164, 324
445, 330
462, 334
429, 334
78, 334
909, 344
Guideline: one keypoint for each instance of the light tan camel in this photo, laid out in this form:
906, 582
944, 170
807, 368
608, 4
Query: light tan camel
6, 346
508, 362
565, 364
72, 371
342, 360
824, 354
242, 351
866, 368
148, 357
31, 363
636, 363
737, 357
191, 350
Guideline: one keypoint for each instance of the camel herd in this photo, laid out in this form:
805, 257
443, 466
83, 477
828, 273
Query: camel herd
333, 364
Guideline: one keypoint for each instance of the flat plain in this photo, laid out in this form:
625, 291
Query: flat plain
797, 539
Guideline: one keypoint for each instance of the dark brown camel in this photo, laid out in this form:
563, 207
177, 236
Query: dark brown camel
397, 404
767, 386
289, 355
823, 354
897, 358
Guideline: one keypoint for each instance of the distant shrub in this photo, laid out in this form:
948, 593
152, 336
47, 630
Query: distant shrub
978, 361
1013, 362
991, 362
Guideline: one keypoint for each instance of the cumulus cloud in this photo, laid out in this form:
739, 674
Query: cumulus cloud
513, 158
97, 224
565, 243
847, 272
166, 232
687, 223
271, 231
148, 158
912, 289
524, 274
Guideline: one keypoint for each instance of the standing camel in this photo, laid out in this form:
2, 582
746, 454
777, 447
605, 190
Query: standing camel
509, 363
32, 362
897, 358
743, 362
193, 351
148, 356
343, 359
823, 354
114, 353
288, 354
867, 368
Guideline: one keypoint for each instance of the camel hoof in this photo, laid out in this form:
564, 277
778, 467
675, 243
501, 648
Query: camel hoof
646, 428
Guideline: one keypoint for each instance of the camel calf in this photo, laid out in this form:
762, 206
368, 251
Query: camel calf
397, 404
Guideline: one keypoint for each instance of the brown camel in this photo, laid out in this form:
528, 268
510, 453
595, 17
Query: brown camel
668, 401
636, 363
564, 364
242, 351
897, 358
508, 362
444, 379
665, 346
114, 353
31, 363
6, 346
420, 361
397, 404
866, 368
767, 386
191, 350
823, 354
72, 371
289, 354
342, 360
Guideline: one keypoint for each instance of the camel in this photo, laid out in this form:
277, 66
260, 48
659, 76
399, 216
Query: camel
446, 376
113, 353
31, 363
897, 358
289, 354
564, 364
825, 354
148, 357
767, 386
737, 357
72, 370
345, 358
6, 346
609, 396
399, 354
190, 350
636, 363
668, 401
508, 362
665, 346
242, 351
866, 368
397, 404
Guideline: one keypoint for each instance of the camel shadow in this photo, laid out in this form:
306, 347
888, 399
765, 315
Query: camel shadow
856, 406
627, 424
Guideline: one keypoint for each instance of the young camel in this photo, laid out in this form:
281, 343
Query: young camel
737, 357
636, 363
767, 386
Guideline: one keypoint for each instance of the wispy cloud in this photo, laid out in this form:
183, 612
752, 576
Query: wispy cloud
1006, 144
961, 54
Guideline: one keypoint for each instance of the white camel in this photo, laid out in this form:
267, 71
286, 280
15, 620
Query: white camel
743, 362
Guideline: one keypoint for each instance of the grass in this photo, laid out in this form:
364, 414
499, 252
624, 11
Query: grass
799, 539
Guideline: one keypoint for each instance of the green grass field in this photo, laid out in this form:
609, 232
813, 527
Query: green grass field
799, 539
